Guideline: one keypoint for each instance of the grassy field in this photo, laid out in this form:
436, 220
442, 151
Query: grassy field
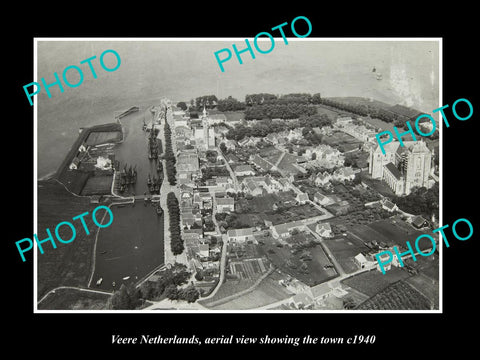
267, 292
68, 264
372, 282
234, 115
228, 288
397, 296
103, 137
270, 154
345, 248
311, 272
98, 185
71, 299
339, 138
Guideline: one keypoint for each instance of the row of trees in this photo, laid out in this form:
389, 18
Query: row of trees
421, 201
297, 98
176, 241
230, 104
281, 111
209, 101
169, 155
264, 127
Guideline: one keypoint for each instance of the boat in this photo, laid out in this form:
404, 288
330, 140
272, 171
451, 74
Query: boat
113, 283
379, 76
99, 281
159, 210
103, 252
126, 278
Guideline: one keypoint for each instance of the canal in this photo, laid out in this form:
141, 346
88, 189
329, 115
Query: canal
132, 246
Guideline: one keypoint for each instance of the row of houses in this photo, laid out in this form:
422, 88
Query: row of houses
342, 174
307, 297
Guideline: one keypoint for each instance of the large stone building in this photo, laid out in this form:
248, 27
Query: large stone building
402, 168
204, 135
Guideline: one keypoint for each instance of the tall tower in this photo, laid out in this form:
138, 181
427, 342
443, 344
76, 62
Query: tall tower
418, 166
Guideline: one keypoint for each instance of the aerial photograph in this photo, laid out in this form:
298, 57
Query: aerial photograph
260, 188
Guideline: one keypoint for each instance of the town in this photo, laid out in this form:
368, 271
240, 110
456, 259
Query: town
282, 202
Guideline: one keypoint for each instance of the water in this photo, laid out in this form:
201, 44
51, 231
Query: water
183, 70
131, 246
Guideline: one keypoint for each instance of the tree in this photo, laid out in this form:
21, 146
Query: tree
223, 148
126, 298
314, 156
182, 105
190, 294
199, 275
171, 292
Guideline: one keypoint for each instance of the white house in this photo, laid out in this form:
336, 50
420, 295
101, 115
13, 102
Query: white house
324, 230
360, 260
240, 235
244, 170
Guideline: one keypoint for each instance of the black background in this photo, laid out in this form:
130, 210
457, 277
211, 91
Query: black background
67, 334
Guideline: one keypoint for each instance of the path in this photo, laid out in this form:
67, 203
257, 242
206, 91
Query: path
73, 288
240, 293
327, 251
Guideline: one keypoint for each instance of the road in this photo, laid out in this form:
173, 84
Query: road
73, 288
327, 251
165, 189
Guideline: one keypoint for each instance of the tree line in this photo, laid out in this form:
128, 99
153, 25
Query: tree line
169, 155
130, 297
264, 127
176, 241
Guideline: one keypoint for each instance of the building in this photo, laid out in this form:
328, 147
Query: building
389, 206
244, 170
283, 230
301, 301
419, 222
226, 204
321, 199
322, 179
240, 235
344, 174
402, 168
324, 230
361, 261
302, 198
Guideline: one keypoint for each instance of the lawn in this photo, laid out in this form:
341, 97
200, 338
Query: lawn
68, 264
373, 281
103, 137
98, 185
344, 249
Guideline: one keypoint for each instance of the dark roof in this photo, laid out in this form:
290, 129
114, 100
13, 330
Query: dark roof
418, 221
395, 172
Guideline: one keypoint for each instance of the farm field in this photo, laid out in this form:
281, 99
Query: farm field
397, 296
373, 281
267, 292
228, 288
388, 232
